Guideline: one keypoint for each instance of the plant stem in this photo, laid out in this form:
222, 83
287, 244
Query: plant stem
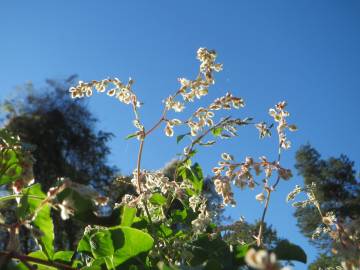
25, 258
141, 147
14, 196
261, 228
259, 237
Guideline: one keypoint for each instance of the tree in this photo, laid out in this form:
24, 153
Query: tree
337, 191
65, 142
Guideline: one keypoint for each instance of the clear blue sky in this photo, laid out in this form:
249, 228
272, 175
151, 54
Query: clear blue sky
306, 52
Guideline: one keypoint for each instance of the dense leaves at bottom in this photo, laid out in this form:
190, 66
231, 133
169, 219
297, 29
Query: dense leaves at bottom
114, 246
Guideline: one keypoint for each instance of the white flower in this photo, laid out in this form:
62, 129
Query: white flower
175, 122
169, 131
178, 106
260, 197
194, 202
226, 156
261, 259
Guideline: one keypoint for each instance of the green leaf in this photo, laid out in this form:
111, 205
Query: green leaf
115, 245
10, 169
206, 250
179, 215
217, 131
102, 247
40, 255
63, 256
101, 244
194, 175
30, 206
289, 252
131, 136
92, 267
163, 266
198, 178
241, 251
180, 137
164, 230
127, 215
14, 196
192, 153
129, 243
208, 143
84, 244
158, 199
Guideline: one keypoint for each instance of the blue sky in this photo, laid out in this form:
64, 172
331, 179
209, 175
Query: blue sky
305, 52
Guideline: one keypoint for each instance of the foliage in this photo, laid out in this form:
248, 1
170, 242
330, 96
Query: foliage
165, 222
64, 143
325, 262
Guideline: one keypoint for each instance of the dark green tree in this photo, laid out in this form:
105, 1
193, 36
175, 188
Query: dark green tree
337, 191
324, 262
65, 140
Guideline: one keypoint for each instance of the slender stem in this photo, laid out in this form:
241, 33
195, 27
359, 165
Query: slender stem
259, 238
28, 265
36, 260
200, 137
157, 123
14, 196
278, 163
194, 142
162, 117
141, 147
261, 228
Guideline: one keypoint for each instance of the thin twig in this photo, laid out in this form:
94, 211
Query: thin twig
36, 260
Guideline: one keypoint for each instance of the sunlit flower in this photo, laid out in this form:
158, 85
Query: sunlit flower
261, 259
260, 197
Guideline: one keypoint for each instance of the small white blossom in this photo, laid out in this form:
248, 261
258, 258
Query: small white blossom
260, 197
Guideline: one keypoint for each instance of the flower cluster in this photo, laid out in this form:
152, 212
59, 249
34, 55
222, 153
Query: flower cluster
203, 117
204, 218
152, 182
123, 92
207, 58
309, 190
169, 128
262, 260
264, 130
226, 102
280, 114
191, 89
177, 106
328, 219
345, 234
241, 174
223, 188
